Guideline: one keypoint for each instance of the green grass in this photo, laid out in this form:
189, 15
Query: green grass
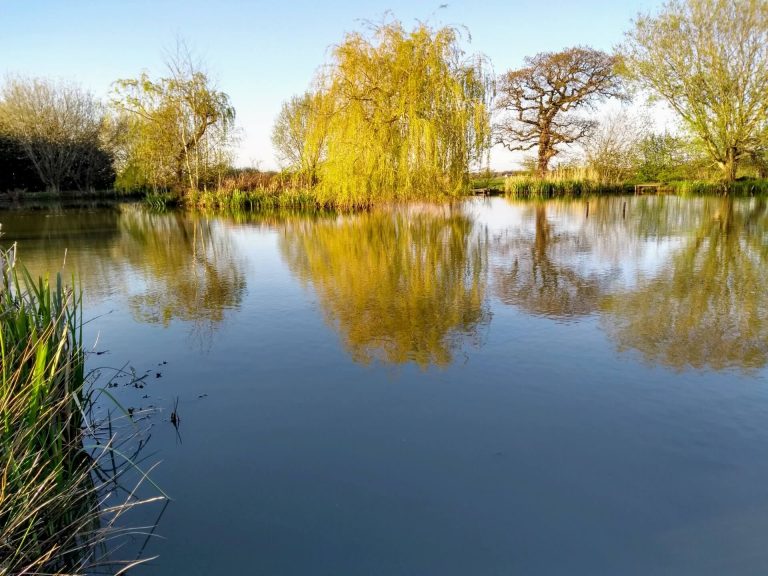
563, 183
487, 183
238, 200
745, 187
54, 516
563, 187
532, 187
160, 201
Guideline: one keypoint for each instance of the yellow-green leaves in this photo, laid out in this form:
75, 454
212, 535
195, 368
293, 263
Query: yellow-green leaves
177, 129
708, 60
396, 115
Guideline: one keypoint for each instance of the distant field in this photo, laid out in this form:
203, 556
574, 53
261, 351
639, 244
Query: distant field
495, 182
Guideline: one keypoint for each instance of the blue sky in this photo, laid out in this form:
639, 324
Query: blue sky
261, 53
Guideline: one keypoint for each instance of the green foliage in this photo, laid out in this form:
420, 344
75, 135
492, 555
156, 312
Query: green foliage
664, 157
745, 187
160, 201
397, 115
236, 200
177, 129
300, 131
51, 514
487, 182
535, 187
708, 60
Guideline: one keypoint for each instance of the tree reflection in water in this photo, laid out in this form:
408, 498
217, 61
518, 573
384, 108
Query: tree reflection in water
190, 271
399, 286
531, 277
701, 306
707, 307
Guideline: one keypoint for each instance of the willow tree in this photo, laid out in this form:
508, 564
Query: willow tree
708, 60
407, 116
180, 127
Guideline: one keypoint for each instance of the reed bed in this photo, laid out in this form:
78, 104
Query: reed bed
558, 187
252, 199
58, 471
570, 182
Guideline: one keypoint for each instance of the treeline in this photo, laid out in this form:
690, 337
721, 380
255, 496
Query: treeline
53, 136
397, 114
171, 134
375, 119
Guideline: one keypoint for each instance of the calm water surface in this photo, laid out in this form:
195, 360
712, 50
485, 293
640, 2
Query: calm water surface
490, 388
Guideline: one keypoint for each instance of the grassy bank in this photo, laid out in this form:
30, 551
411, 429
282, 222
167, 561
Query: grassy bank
745, 187
558, 187
301, 199
55, 503
285, 193
490, 183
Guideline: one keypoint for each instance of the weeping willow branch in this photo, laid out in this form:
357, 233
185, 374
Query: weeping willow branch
397, 115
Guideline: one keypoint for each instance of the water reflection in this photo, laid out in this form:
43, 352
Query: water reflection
77, 240
533, 274
400, 286
706, 307
682, 281
190, 270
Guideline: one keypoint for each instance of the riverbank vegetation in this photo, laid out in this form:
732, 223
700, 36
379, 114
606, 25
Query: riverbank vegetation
58, 500
399, 114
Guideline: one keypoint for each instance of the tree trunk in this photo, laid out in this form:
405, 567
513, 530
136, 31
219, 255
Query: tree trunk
730, 166
545, 153
542, 166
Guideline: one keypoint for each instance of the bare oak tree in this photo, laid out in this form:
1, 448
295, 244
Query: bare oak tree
538, 102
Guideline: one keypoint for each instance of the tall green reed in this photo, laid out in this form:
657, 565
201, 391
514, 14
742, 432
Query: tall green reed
557, 187
56, 514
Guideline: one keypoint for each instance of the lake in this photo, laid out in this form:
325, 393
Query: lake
490, 387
